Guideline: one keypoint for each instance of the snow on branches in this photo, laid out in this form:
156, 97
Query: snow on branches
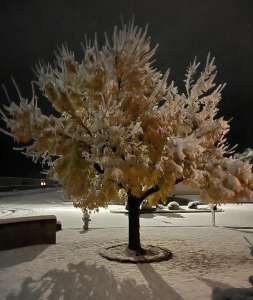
121, 125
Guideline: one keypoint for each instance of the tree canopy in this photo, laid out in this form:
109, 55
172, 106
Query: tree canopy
119, 123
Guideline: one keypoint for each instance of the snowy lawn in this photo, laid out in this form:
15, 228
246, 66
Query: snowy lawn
204, 257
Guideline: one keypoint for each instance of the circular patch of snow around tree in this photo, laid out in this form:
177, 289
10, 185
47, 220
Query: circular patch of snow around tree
121, 253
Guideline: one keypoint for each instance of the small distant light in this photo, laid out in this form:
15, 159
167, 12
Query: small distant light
42, 183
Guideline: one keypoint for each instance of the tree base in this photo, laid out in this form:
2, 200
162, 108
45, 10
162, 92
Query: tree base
122, 254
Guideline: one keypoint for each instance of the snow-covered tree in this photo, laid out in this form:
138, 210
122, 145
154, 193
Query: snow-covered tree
120, 124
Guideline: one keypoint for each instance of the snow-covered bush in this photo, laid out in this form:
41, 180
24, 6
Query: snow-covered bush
193, 204
173, 205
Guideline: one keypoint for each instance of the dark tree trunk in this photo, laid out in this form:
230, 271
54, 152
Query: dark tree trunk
134, 224
134, 219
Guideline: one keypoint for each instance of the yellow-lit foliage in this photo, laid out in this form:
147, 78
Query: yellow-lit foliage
121, 125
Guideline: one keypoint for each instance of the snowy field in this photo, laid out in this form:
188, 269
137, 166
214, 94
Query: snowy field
204, 257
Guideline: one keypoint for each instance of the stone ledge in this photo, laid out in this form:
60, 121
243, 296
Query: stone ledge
27, 219
25, 231
167, 211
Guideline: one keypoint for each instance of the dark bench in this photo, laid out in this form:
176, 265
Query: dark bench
25, 231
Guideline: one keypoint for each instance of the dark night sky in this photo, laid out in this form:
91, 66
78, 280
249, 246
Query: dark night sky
31, 30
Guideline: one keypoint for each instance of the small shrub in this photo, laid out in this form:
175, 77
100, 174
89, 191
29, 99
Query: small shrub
193, 204
173, 205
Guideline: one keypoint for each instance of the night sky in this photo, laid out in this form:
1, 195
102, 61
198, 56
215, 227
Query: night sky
31, 30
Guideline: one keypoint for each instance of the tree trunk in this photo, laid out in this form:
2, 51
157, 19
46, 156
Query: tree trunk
134, 224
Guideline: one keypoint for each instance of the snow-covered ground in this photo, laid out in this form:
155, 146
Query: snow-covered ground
204, 257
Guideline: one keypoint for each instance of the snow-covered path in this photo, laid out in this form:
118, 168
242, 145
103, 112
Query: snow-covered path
204, 257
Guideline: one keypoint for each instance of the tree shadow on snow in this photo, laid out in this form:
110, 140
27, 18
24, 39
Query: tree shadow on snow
214, 284
18, 256
235, 293
172, 215
147, 215
244, 229
165, 215
160, 288
88, 281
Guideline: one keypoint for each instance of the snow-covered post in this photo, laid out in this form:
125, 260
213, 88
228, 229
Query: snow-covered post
86, 219
213, 208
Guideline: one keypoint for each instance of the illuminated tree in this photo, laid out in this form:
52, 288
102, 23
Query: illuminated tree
121, 125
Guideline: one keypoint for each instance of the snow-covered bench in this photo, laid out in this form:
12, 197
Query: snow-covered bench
24, 231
